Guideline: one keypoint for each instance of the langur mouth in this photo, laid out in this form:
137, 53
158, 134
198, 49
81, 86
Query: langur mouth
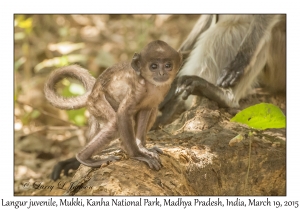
160, 79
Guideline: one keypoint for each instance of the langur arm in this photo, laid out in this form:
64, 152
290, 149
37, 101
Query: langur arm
142, 122
126, 130
247, 52
194, 85
145, 120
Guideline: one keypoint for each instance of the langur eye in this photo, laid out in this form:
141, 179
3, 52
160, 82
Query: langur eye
168, 66
153, 66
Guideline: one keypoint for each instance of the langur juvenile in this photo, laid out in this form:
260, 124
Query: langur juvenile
123, 102
227, 56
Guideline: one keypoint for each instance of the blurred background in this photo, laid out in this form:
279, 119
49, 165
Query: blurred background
42, 43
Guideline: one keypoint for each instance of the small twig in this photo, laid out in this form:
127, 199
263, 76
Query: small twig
33, 132
55, 128
48, 114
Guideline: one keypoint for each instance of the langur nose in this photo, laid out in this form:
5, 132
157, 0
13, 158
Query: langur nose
161, 72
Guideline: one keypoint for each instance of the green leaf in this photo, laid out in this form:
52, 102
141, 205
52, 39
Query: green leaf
77, 116
261, 116
35, 114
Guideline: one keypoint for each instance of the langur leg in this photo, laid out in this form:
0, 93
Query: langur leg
101, 136
254, 40
100, 140
274, 74
204, 22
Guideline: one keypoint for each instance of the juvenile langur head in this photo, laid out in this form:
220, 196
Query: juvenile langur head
158, 63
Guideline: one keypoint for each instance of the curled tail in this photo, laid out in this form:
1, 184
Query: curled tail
73, 71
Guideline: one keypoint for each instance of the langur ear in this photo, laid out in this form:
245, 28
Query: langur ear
135, 63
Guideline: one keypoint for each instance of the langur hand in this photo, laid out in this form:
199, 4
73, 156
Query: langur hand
151, 157
152, 162
190, 85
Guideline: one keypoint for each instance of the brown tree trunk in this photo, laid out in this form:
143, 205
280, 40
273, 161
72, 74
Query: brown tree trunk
204, 154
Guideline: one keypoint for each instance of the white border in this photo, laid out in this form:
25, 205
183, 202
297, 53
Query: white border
8, 8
